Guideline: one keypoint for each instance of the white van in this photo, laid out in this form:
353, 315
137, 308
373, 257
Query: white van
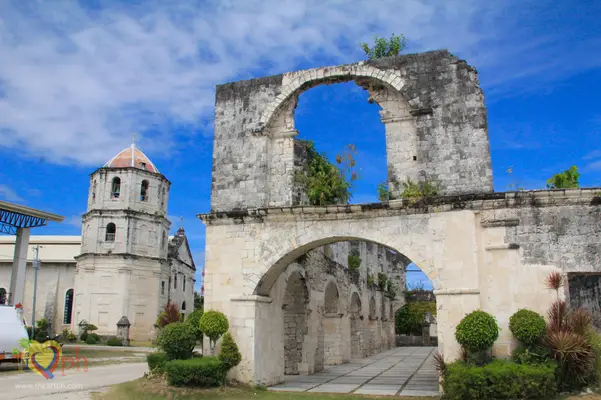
12, 331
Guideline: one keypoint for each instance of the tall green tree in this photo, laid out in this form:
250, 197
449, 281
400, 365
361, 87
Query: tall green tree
567, 179
199, 301
384, 47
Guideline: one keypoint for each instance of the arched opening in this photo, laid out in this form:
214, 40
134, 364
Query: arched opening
111, 231
331, 298
296, 299
356, 326
144, 190
68, 307
183, 306
116, 187
332, 325
2, 296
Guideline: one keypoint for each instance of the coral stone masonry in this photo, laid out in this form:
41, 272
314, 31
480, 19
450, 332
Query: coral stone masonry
279, 269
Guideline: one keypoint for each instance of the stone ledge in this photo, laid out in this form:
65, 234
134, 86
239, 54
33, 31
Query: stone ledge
253, 297
454, 292
474, 202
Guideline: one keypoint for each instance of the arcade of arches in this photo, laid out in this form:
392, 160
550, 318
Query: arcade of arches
480, 249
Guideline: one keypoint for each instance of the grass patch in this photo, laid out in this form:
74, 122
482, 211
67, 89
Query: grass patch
135, 343
156, 388
90, 354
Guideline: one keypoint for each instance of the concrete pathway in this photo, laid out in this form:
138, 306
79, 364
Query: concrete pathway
70, 385
404, 371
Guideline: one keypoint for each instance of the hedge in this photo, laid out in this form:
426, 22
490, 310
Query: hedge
203, 372
156, 362
114, 342
500, 379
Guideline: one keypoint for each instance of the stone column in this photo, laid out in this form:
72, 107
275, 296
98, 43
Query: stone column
123, 330
17, 277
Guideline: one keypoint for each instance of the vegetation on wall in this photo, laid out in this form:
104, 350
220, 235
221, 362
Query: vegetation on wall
382, 281
425, 188
383, 192
354, 263
326, 183
391, 290
567, 179
384, 47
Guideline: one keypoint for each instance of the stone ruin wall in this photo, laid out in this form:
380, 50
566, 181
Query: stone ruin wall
431, 105
311, 300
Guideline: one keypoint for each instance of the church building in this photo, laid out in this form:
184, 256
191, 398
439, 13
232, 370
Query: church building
124, 264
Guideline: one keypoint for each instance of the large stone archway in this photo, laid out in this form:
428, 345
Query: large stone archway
481, 250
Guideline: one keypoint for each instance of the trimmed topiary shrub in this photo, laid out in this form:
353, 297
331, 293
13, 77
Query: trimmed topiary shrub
114, 342
203, 372
177, 340
213, 324
499, 380
229, 355
477, 331
527, 326
91, 340
193, 319
156, 362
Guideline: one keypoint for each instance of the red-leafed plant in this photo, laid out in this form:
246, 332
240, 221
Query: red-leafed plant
169, 314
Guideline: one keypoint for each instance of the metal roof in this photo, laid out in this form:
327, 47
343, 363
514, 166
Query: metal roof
13, 216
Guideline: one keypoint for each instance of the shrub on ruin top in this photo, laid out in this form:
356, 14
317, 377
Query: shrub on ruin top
527, 326
177, 340
477, 331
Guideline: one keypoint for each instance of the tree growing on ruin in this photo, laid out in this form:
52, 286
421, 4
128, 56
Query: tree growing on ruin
567, 179
385, 47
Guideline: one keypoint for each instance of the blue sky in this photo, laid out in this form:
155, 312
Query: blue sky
77, 78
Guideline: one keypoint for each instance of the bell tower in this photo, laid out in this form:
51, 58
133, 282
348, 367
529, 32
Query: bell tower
124, 245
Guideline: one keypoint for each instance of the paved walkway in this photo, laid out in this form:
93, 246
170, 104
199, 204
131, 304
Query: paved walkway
71, 385
405, 371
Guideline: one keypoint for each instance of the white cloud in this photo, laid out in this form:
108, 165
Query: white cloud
8, 194
77, 82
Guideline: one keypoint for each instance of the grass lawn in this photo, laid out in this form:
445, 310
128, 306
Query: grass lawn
157, 389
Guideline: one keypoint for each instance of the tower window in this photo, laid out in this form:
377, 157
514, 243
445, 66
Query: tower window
2, 296
111, 229
174, 281
116, 187
68, 306
184, 306
94, 191
184, 287
162, 287
164, 240
143, 165
163, 198
144, 191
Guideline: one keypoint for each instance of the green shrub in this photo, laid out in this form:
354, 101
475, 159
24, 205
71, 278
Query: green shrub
382, 281
527, 326
477, 331
84, 336
91, 340
156, 362
213, 324
95, 336
193, 320
499, 380
177, 340
533, 354
114, 342
229, 355
203, 372
594, 340
91, 327
410, 318
71, 337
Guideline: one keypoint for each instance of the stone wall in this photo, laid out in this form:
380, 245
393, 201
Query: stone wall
432, 108
585, 292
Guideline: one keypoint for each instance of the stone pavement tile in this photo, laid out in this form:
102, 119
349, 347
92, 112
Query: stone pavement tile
382, 390
335, 388
420, 393
285, 387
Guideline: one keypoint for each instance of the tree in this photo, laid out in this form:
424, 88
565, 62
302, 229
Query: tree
385, 48
199, 301
567, 179
213, 324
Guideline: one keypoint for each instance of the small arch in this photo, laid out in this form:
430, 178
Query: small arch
356, 328
331, 298
111, 231
183, 306
2, 295
68, 306
144, 190
116, 187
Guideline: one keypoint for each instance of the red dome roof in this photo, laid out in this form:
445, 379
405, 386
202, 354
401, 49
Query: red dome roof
132, 157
